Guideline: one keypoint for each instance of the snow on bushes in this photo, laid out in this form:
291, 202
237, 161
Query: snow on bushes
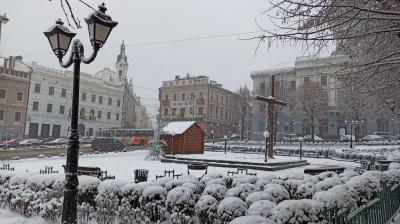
345, 176
243, 179
277, 191
304, 211
215, 190
267, 176
261, 208
393, 166
206, 209
174, 183
394, 175
251, 219
344, 196
152, 202
231, 208
258, 196
129, 208
261, 183
162, 181
365, 186
327, 183
180, 202
219, 181
242, 191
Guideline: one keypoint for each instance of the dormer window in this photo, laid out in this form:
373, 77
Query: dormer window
120, 73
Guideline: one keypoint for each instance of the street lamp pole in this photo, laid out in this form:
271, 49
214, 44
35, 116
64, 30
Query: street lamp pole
225, 137
266, 135
172, 149
301, 144
3, 19
59, 36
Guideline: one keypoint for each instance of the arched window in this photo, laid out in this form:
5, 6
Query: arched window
91, 116
82, 113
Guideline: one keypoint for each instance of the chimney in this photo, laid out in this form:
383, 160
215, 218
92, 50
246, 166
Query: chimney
177, 77
10, 63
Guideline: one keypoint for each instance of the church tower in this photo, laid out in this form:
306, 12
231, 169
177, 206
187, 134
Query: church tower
121, 66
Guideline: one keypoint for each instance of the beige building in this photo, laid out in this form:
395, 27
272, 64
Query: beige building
14, 91
197, 98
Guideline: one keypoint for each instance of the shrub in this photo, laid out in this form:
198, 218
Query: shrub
345, 176
343, 196
180, 202
231, 208
219, 181
51, 211
242, 191
305, 191
327, 183
367, 187
261, 183
206, 209
174, 183
302, 211
251, 219
215, 190
152, 202
163, 180
277, 191
258, 196
261, 208
129, 208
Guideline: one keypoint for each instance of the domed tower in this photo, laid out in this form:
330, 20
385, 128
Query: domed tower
121, 66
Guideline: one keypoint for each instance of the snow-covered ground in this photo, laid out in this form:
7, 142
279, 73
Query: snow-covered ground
123, 164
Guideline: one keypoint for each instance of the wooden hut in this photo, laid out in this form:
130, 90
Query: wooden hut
188, 138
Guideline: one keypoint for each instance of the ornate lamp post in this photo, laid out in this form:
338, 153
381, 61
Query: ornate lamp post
3, 19
100, 26
266, 135
172, 149
301, 139
225, 137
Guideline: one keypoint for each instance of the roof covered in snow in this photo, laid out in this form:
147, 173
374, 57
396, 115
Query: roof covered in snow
178, 127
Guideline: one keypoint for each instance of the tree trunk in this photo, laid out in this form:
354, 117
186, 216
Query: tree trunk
312, 128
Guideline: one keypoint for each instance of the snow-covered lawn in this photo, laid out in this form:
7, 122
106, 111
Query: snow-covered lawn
123, 164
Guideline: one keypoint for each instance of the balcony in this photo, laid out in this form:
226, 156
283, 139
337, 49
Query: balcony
200, 101
165, 103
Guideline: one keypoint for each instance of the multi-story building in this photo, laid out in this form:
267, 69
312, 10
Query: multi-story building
323, 70
200, 99
14, 90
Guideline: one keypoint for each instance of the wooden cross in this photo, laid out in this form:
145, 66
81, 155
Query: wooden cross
271, 101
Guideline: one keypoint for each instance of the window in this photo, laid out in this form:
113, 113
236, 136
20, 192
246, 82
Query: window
166, 97
200, 111
101, 99
118, 103
292, 85
120, 73
117, 116
211, 111
324, 80
182, 112
173, 111
62, 109
108, 115
33, 129
201, 94
222, 99
165, 111
174, 97
192, 95
211, 96
83, 96
306, 79
261, 126
216, 98
98, 114
183, 96
262, 88
56, 131
1, 115
2, 94
20, 96
17, 116
222, 113
49, 107
63, 92
37, 88
51, 90
109, 101
93, 98
35, 106
216, 112
45, 132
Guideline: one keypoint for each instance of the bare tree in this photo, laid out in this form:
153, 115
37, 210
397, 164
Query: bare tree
69, 12
310, 98
367, 31
243, 106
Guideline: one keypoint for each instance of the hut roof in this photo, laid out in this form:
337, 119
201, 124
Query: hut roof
178, 127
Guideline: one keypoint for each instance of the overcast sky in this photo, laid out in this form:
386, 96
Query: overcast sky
152, 31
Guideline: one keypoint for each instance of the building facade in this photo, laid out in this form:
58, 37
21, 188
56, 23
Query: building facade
197, 98
14, 91
323, 70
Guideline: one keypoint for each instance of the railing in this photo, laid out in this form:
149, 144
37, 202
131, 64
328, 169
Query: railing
379, 211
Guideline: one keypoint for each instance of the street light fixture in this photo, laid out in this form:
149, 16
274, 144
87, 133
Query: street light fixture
266, 135
301, 139
225, 137
3, 19
59, 36
172, 149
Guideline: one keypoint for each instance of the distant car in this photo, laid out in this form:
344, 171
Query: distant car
390, 137
86, 140
58, 141
307, 138
371, 138
2, 145
235, 136
291, 137
106, 144
346, 138
13, 142
30, 142
49, 139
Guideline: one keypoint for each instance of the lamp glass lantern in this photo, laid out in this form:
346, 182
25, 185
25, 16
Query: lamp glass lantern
4, 19
100, 26
266, 134
60, 38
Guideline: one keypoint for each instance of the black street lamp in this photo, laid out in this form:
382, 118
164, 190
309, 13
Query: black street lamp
301, 139
266, 135
225, 137
3, 19
100, 26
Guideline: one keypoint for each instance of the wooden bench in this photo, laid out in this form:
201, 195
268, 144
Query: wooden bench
241, 170
93, 171
169, 172
315, 171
